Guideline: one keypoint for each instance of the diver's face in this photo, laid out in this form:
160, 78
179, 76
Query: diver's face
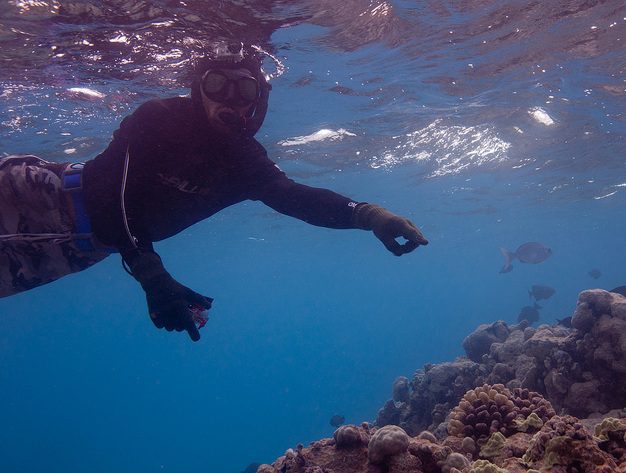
228, 98
226, 119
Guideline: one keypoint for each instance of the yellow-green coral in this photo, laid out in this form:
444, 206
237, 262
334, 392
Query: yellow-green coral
527, 458
494, 446
484, 466
610, 424
554, 451
533, 421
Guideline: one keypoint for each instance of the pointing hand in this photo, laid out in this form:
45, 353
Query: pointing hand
387, 227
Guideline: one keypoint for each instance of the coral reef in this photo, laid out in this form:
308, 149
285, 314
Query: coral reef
581, 369
489, 409
561, 445
611, 435
348, 436
386, 442
496, 410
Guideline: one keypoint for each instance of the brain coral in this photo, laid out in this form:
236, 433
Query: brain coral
348, 436
489, 409
387, 441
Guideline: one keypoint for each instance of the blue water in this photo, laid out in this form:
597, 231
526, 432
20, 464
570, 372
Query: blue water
445, 122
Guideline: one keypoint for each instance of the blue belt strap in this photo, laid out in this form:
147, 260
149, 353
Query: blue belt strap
73, 184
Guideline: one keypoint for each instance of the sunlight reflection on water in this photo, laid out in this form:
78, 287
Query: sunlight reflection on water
453, 148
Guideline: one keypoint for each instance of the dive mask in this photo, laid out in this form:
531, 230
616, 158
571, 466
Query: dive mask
230, 86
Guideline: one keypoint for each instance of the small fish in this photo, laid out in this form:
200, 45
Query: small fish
566, 322
595, 273
529, 313
531, 252
401, 391
305, 80
337, 420
252, 468
619, 290
541, 292
341, 90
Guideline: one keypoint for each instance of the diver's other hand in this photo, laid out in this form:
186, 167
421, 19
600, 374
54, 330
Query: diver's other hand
387, 227
169, 304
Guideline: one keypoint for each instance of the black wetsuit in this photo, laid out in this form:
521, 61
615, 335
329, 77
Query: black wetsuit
180, 172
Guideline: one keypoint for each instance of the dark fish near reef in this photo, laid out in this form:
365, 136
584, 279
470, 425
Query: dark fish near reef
541, 292
566, 322
343, 90
252, 468
529, 313
401, 391
337, 420
619, 290
531, 252
595, 273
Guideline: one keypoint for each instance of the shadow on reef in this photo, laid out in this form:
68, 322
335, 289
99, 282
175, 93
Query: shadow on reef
524, 400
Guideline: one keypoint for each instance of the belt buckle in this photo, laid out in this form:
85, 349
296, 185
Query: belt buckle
73, 177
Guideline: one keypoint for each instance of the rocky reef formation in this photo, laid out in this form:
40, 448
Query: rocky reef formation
550, 399
580, 369
560, 444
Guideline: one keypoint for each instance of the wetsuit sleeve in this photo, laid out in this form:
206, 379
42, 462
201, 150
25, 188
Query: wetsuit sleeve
316, 206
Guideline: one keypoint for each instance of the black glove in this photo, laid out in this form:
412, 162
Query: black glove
169, 302
387, 227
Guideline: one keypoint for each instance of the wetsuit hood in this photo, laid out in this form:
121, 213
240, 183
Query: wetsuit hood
249, 61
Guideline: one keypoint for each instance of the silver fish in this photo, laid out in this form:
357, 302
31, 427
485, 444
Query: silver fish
531, 252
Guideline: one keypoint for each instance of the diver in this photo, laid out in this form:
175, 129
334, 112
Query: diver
171, 163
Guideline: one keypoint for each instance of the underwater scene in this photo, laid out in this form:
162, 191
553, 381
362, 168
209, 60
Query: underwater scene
497, 127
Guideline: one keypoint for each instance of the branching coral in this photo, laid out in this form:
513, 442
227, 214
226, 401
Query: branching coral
482, 411
488, 409
529, 402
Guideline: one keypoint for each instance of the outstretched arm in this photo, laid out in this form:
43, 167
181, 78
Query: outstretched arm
325, 208
170, 303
